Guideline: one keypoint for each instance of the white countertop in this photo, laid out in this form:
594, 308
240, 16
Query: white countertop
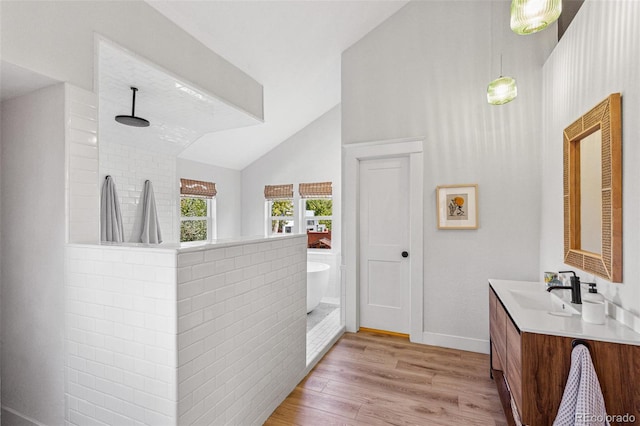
229, 242
191, 246
541, 322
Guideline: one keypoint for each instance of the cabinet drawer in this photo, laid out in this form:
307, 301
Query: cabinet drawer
514, 363
497, 328
496, 362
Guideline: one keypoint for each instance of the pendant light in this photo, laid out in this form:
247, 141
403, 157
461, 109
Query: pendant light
132, 120
501, 90
531, 16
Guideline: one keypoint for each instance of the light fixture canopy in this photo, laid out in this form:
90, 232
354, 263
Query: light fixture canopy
502, 90
531, 16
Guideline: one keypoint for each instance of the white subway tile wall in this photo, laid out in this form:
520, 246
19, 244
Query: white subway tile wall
159, 337
120, 336
241, 330
130, 167
322, 333
82, 192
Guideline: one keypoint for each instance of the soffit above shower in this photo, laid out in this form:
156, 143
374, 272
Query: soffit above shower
179, 112
16, 81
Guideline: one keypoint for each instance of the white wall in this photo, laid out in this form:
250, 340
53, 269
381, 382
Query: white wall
203, 337
82, 191
597, 56
121, 336
130, 167
241, 330
424, 73
311, 155
57, 39
33, 236
229, 197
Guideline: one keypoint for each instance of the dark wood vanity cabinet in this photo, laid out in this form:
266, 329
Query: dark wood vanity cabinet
536, 366
497, 328
506, 353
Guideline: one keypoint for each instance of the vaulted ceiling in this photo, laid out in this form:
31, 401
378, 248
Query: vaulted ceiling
292, 48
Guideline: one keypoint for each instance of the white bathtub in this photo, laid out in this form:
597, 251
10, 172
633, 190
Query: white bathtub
317, 280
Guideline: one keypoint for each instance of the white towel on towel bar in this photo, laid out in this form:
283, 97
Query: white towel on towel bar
150, 226
582, 402
111, 228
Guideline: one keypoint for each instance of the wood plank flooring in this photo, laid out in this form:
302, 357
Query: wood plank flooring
374, 379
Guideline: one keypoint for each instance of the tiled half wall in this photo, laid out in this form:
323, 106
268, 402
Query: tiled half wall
214, 335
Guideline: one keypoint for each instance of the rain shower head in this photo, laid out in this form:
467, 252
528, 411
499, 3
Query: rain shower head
132, 120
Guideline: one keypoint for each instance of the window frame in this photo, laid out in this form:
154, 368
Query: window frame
302, 204
268, 228
210, 218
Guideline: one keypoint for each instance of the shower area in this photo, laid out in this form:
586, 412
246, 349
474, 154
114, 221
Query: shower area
324, 322
142, 151
137, 152
116, 304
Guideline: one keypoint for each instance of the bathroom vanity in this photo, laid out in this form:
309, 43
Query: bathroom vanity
531, 336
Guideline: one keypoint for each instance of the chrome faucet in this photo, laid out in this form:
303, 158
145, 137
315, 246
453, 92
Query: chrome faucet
576, 297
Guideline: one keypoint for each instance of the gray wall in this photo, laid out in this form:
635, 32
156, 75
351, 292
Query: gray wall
229, 197
33, 235
424, 73
597, 56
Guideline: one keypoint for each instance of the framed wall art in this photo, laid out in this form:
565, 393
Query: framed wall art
457, 206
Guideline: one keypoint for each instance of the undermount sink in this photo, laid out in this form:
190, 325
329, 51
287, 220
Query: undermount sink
543, 301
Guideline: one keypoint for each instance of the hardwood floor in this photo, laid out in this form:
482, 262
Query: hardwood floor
375, 379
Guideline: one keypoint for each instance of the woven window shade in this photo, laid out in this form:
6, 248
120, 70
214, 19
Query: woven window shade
276, 192
197, 188
315, 190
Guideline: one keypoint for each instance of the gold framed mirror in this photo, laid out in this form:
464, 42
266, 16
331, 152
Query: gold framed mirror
593, 191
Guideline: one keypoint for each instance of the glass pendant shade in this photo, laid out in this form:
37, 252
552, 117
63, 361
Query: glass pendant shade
501, 90
531, 16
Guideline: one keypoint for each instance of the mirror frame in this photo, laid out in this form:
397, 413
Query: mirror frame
607, 117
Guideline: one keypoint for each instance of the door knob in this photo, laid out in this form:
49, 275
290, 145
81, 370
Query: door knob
405, 254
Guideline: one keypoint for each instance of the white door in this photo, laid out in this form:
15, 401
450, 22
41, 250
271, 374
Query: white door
384, 236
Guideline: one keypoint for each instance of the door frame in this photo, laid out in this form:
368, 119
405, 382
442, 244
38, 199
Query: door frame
352, 155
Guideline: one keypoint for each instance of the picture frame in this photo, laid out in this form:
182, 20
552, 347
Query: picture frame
457, 206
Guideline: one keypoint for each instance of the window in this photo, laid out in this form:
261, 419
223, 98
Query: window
197, 210
282, 219
194, 219
279, 208
317, 206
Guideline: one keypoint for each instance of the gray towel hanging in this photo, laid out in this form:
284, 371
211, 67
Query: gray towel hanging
150, 226
110, 217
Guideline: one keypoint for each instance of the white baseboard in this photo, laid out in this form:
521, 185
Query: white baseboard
455, 342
